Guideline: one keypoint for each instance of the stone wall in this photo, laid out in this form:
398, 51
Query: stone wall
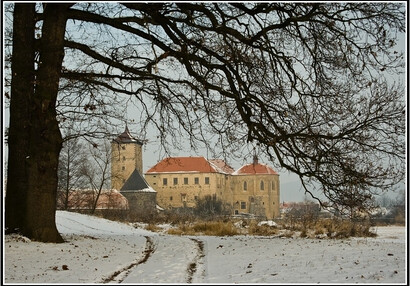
140, 203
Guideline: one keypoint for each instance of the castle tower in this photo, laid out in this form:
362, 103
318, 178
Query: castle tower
126, 156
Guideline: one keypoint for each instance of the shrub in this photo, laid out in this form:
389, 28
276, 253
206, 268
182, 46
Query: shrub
209, 207
303, 233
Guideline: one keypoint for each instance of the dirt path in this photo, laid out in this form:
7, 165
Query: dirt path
193, 267
119, 275
174, 259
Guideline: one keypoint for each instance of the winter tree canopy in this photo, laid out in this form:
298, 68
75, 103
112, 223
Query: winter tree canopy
316, 87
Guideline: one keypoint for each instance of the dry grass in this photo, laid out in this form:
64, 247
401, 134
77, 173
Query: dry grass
186, 223
153, 227
322, 228
264, 230
287, 233
216, 228
331, 228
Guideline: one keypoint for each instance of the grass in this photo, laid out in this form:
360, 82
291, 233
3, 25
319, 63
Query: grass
216, 228
153, 227
264, 230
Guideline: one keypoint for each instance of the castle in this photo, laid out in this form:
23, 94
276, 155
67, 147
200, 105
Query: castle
177, 182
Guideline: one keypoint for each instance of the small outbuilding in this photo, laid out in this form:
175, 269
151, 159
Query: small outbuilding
141, 197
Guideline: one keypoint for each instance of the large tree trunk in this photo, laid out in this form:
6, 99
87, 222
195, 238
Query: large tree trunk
21, 92
45, 137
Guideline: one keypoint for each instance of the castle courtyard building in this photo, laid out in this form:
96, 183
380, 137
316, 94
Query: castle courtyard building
180, 181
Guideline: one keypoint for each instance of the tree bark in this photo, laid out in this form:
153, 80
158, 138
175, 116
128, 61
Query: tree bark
21, 93
45, 137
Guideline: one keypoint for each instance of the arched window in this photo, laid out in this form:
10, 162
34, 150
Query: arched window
262, 186
245, 186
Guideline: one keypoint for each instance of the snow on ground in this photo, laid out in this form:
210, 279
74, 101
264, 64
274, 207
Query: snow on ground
102, 251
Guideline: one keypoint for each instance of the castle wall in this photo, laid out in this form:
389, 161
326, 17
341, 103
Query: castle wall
176, 190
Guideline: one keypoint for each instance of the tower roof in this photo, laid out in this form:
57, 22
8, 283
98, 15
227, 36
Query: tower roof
126, 137
136, 183
255, 168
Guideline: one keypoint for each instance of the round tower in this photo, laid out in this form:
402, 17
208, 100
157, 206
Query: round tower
126, 156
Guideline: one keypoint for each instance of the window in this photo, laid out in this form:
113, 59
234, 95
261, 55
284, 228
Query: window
123, 168
273, 185
236, 212
175, 181
196, 197
206, 180
165, 181
170, 198
123, 158
183, 197
123, 147
262, 187
185, 181
245, 186
196, 181
243, 205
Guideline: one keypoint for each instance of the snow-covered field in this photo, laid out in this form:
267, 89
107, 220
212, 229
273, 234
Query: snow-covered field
103, 251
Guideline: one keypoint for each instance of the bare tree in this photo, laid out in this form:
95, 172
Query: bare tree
70, 176
97, 171
317, 87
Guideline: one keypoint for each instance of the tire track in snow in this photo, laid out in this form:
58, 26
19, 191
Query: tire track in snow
78, 227
193, 266
119, 275
86, 227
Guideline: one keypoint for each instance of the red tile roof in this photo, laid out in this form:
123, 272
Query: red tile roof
184, 164
255, 168
84, 199
222, 166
